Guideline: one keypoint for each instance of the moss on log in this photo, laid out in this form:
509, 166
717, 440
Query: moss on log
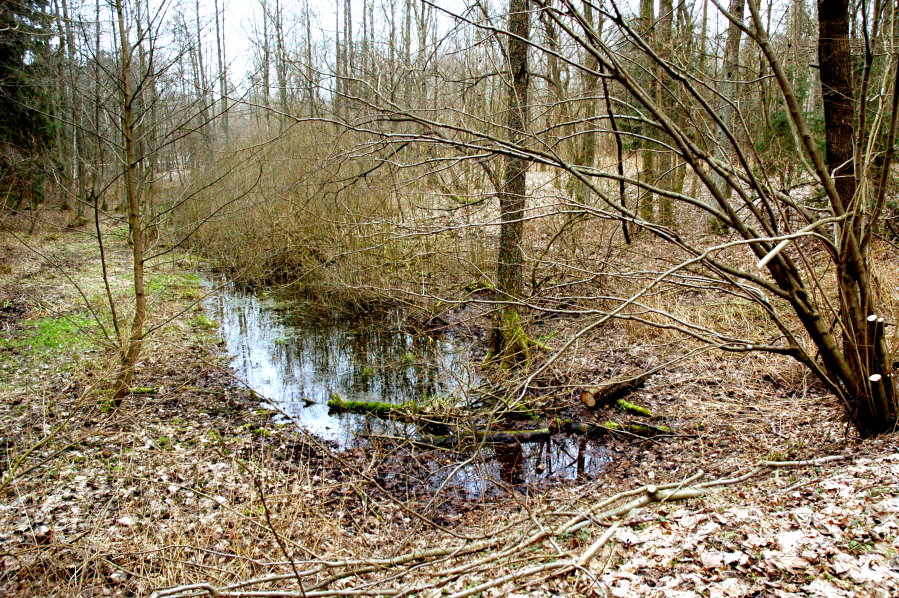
616, 388
410, 413
385, 410
633, 408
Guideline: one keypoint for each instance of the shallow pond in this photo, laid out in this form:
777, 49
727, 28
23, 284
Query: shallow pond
297, 363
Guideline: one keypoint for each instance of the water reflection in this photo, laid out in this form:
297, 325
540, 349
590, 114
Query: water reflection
519, 466
297, 363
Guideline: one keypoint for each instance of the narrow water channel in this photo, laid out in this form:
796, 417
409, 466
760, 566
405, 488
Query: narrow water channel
297, 363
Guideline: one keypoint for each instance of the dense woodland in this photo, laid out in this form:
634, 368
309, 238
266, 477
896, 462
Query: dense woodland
702, 180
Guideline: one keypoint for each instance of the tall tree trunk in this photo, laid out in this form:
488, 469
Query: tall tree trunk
647, 168
203, 84
97, 169
407, 51
75, 105
558, 93
510, 344
349, 65
310, 67
872, 397
266, 59
280, 57
835, 60
665, 160
131, 353
339, 63
591, 105
222, 68
728, 90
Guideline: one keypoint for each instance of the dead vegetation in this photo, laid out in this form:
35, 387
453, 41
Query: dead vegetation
192, 489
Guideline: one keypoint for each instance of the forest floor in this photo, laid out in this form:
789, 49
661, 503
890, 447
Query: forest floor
191, 481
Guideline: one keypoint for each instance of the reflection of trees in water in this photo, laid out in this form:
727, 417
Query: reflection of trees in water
289, 359
559, 458
511, 463
581, 456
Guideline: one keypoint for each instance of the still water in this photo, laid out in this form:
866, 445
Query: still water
296, 363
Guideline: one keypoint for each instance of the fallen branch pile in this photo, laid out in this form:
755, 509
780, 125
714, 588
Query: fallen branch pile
518, 556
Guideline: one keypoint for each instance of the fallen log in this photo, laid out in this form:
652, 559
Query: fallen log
622, 404
409, 413
338, 404
600, 429
491, 437
633, 408
439, 436
616, 388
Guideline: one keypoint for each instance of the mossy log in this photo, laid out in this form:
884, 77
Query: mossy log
142, 390
616, 388
404, 412
633, 408
384, 410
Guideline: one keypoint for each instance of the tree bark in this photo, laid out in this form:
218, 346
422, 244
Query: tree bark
871, 393
130, 354
509, 341
834, 58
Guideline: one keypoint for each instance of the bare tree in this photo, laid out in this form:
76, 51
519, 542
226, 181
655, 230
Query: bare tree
774, 239
510, 342
131, 352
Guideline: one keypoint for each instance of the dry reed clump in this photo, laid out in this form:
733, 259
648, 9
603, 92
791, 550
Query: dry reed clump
315, 214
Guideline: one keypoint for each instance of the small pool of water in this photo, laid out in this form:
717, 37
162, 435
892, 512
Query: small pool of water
297, 363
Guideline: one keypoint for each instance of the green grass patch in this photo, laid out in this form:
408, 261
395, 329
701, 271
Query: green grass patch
57, 342
176, 285
69, 331
201, 321
72, 333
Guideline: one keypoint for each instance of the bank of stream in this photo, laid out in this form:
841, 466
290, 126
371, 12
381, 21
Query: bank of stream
297, 363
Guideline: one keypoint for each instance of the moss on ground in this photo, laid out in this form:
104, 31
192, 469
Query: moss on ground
40, 339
